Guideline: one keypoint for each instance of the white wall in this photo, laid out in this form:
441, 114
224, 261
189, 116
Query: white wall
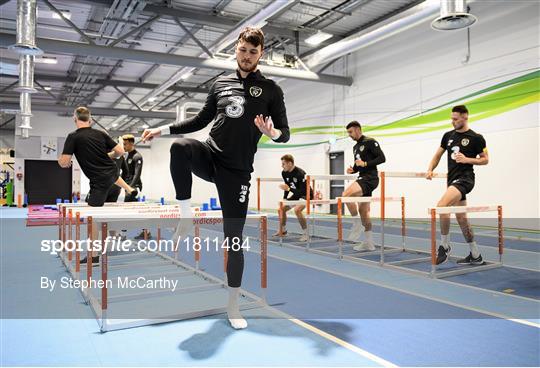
415, 71
44, 124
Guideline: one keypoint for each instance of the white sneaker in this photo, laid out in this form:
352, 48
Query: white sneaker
304, 238
356, 231
280, 234
363, 246
185, 225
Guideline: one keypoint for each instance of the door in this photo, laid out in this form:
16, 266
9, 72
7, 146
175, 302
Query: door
337, 166
44, 181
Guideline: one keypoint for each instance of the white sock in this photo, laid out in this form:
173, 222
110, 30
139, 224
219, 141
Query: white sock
369, 236
444, 241
233, 311
305, 231
185, 207
474, 249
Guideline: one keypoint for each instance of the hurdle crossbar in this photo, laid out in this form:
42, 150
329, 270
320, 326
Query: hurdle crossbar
102, 219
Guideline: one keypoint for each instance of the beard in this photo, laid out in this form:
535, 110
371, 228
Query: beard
247, 68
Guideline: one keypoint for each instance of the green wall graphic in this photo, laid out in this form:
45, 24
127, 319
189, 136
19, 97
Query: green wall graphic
488, 102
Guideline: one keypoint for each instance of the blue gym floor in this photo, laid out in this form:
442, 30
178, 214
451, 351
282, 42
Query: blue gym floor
322, 312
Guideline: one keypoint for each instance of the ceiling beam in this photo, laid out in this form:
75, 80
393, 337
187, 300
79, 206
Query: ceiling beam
97, 111
80, 48
111, 83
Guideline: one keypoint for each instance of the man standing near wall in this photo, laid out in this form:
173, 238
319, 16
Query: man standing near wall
237, 104
134, 162
465, 148
121, 165
367, 155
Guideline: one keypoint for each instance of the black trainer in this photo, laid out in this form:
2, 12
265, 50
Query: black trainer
442, 254
141, 235
471, 260
95, 260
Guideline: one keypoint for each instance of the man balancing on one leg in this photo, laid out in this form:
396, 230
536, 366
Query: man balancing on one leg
294, 182
94, 151
465, 148
367, 155
237, 104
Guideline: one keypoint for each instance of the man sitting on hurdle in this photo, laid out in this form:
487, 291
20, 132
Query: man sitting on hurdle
295, 183
465, 148
367, 155
94, 151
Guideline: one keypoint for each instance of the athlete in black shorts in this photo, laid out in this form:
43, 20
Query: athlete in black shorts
237, 105
367, 155
121, 165
465, 148
94, 151
294, 182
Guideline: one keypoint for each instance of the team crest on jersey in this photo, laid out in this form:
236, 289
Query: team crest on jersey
255, 91
361, 148
464, 142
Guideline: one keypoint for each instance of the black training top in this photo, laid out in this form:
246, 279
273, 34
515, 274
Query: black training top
122, 167
296, 180
232, 103
470, 144
368, 150
91, 148
135, 163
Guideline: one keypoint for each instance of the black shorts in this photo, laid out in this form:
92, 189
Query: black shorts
98, 193
114, 193
368, 184
295, 197
464, 185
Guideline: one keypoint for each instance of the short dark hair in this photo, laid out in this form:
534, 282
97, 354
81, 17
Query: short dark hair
129, 138
82, 113
253, 35
462, 109
288, 158
354, 124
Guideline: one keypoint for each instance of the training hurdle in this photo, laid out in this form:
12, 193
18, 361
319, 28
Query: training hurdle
66, 216
110, 219
339, 231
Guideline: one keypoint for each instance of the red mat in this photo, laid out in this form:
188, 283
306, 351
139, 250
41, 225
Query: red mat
38, 215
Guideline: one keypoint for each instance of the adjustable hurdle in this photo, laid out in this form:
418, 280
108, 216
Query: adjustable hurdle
331, 250
162, 216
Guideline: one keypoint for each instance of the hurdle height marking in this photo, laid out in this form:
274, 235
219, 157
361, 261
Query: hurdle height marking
104, 277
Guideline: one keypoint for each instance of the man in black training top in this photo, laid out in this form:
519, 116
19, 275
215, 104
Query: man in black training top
295, 183
465, 148
94, 151
367, 155
134, 162
240, 105
121, 165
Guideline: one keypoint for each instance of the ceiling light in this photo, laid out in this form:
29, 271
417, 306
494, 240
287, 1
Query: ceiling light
152, 99
186, 75
47, 88
114, 125
46, 60
145, 126
318, 38
65, 13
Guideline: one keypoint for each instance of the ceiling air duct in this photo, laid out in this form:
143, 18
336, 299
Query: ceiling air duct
454, 15
26, 28
26, 46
